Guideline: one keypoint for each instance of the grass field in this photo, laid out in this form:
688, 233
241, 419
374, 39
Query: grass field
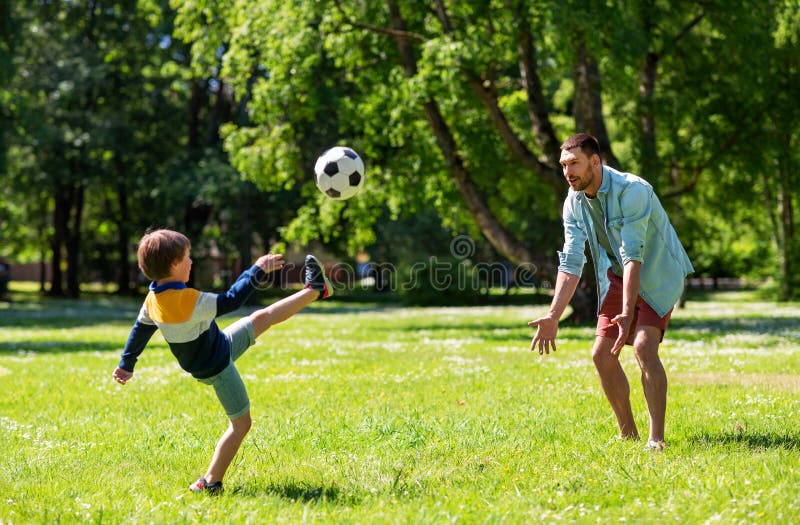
376, 414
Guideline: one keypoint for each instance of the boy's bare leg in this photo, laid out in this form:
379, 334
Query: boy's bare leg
615, 385
282, 310
227, 446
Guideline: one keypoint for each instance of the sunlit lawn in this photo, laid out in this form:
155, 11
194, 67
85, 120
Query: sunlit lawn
383, 414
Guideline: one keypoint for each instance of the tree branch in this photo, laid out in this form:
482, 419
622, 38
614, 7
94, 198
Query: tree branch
684, 31
444, 18
698, 169
487, 94
495, 232
488, 97
537, 105
394, 33
589, 103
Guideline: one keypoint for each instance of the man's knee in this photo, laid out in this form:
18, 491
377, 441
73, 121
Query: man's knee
645, 347
601, 352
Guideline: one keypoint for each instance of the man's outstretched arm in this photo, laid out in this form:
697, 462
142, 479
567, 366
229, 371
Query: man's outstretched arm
547, 326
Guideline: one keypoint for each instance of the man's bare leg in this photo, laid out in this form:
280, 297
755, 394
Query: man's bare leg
654, 378
615, 385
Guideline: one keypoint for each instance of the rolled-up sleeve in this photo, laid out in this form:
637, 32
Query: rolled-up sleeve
636, 204
573, 257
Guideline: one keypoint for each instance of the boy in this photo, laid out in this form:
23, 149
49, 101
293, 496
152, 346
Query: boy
186, 319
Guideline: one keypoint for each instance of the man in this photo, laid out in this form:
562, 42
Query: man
640, 267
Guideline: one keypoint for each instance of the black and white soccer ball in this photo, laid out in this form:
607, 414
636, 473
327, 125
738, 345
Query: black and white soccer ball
339, 172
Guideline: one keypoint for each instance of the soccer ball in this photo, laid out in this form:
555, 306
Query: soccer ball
339, 172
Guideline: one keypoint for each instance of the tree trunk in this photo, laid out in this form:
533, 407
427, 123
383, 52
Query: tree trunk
496, 233
589, 103
499, 237
647, 120
123, 241
43, 272
74, 242
536, 102
221, 111
60, 217
196, 103
785, 223
548, 173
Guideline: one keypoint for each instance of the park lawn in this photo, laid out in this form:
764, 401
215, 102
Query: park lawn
381, 414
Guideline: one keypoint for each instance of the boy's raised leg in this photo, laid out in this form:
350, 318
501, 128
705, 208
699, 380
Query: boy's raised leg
282, 310
316, 286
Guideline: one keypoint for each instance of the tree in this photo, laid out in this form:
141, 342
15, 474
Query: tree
457, 107
466, 108
113, 133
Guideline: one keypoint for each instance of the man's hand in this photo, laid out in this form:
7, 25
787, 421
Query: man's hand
623, 322
545, 338
121, 375
271, 262
630, 294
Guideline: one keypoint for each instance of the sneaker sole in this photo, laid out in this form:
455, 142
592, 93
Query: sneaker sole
328, 290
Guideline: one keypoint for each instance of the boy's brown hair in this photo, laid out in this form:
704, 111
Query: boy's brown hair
159, 250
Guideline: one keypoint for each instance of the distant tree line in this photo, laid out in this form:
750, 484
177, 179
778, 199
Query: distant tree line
207, 116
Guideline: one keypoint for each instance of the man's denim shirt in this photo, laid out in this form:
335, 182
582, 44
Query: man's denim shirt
638, 229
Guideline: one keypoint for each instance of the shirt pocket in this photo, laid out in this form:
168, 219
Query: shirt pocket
614, 228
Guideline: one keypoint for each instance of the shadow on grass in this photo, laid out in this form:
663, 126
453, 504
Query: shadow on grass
515, 331
48, 313
300, 492
726, 325
56, 347
750, 440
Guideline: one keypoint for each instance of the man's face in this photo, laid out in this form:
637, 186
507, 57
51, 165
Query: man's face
578, 169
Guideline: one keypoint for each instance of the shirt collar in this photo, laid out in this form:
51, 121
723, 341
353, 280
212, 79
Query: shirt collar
172, 285
605, 185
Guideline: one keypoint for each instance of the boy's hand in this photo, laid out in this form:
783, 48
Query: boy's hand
271, 262
121, 375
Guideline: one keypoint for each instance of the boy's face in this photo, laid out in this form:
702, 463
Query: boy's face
181, 269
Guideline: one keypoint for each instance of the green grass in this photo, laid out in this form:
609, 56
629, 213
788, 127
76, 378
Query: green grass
378, 414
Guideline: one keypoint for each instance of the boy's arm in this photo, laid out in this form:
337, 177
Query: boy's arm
137, 340
247, 283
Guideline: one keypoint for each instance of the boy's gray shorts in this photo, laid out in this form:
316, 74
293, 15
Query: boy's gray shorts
228, 384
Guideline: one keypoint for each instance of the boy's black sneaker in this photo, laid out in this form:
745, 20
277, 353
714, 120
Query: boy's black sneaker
315, 278
202, 486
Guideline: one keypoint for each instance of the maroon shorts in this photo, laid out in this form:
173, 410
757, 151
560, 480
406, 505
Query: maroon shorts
643, 314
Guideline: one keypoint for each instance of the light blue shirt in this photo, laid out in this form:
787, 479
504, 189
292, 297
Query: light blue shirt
637, 228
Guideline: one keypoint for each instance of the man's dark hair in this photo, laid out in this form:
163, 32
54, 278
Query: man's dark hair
588, 144
159, 250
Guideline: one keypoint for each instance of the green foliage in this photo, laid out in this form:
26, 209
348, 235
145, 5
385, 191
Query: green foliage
405, 415
326, 80
208, 117
91, 108
787, 32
